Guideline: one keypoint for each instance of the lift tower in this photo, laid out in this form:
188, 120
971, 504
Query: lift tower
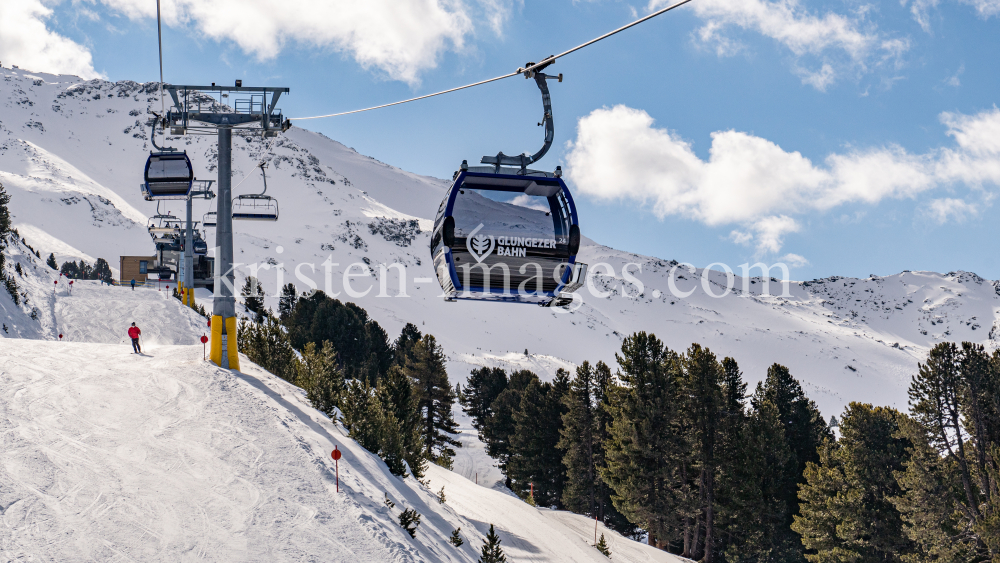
207, 110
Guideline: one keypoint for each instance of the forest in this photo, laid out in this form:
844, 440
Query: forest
671, 447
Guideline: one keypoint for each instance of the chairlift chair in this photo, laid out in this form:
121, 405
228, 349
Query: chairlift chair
209, 219
168, 173
256, 207
509, 234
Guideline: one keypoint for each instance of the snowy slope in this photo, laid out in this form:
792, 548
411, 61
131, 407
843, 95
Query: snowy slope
71, 154
109, 455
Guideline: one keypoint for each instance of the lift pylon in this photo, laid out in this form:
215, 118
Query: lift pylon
207, 110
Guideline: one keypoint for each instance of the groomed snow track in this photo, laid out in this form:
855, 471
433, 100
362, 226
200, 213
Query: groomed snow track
163, 457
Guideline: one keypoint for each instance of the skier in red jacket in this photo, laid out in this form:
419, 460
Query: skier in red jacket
133, 333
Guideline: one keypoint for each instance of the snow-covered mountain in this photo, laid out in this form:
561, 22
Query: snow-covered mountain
72, 153
91, 470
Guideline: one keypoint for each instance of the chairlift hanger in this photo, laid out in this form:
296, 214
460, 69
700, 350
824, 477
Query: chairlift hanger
256, 207
168, 173
510, 234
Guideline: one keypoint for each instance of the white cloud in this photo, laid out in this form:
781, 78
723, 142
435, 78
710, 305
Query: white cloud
767, 234
842, 43
921, 8
400, 39
945, 209
27, 42
794, 260
753, 182
497, 12
953, 80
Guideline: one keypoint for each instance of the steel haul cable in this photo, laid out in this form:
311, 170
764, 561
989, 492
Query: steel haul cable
545, 61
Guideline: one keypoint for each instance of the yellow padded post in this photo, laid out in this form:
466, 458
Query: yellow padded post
191, 297
216, 352
233, 350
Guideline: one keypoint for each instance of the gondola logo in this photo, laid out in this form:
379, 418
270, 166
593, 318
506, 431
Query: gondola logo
480, 246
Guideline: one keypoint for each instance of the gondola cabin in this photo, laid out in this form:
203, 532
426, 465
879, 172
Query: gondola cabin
168, 175
509, 236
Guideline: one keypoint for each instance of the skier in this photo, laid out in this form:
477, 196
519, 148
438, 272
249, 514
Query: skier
133, 333
133, 289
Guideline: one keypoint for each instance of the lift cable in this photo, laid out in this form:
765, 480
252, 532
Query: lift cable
547, 61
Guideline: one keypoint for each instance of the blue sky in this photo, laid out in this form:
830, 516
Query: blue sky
842, 137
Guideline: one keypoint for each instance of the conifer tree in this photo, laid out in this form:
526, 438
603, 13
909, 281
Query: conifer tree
500, 425
51, 261
102, 271
483, 387
491, 551
602, 546
321, 377
534, 456
371, 425
643, 443
578, 441
286, 303
253, 298
4, 215
434, 397
395, 391
409, 519
951, 499
703, 385
846, 509
401, 348
267, 345
603, 385
456, 539
732, 461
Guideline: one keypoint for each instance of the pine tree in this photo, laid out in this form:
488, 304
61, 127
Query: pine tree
578, 442
732, 472
703, 385
286, 303
440, 495
395, 391
500, 425
435, 397
321, 377
102, 271
846, 511
483, 387
373, 426
456, 539
401, 348
253, 297
362, 346
534, 455
644, 439
267, 345
602, 546
4, 216
761, 531
804, 431
491, 551
51, 262
603, 385
70, 269
951, 499
409, 520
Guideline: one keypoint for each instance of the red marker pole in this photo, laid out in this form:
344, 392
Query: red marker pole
336, 460
204, 339
55, 284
